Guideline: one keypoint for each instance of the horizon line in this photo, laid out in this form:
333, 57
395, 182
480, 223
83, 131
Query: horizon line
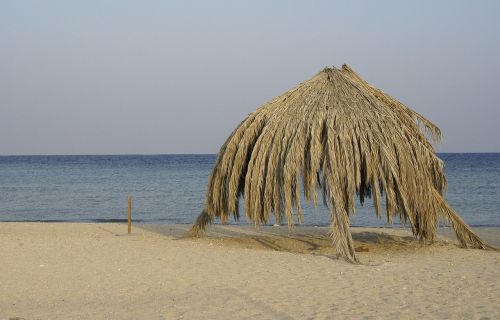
188, 154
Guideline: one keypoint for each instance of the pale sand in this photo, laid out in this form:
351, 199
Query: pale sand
96, 271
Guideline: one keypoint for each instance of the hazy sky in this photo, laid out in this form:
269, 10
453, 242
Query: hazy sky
122, 77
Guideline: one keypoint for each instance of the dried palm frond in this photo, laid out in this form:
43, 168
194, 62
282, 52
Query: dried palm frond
337, 133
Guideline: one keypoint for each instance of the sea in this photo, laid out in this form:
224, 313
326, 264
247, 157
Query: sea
171, 189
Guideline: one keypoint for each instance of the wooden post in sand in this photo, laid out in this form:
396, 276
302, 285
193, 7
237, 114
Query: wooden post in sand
129, 214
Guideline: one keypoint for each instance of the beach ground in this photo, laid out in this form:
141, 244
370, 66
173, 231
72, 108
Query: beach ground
98, 271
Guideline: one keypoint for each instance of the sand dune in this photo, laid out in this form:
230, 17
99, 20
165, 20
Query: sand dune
97, 271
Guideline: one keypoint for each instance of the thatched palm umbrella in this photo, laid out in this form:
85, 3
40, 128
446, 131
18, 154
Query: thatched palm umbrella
338, 133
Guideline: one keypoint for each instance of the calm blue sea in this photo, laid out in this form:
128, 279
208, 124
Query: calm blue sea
171, 189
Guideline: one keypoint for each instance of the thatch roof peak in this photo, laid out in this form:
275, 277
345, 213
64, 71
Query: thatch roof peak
336, 133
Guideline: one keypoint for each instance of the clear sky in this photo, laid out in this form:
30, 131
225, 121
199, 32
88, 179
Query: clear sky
128, 77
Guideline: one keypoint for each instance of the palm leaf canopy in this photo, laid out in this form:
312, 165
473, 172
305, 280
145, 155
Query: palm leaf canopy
338, 136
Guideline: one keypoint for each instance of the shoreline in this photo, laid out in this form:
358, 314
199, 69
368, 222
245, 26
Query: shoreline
241, 224
491, 234
96, 270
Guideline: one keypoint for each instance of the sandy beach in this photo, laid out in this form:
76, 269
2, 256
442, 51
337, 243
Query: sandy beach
97, 271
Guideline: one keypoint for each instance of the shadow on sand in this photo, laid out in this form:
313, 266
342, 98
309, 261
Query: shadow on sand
306, 240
